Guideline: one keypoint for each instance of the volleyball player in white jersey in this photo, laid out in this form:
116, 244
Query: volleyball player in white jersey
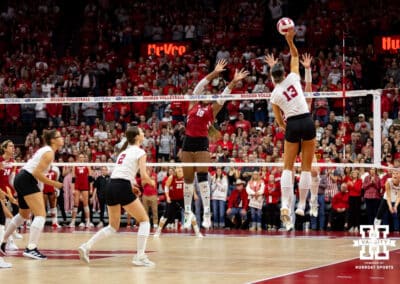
119, 193
303, 192
288, 98
391, 199
30, 197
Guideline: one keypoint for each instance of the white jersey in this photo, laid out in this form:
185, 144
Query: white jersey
34, 161
394, 190
127, 163
289, 96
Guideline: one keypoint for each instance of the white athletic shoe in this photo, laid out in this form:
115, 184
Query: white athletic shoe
187, 223
11, 245
100, 225
206, 221
299, 211
377, 222
142, 260
89, 225
84, 253
72, 224
157, 233
4, 264
314, 208
81, 225
199, 235
285, 218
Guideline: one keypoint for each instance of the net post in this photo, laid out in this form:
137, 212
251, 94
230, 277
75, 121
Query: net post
377, 128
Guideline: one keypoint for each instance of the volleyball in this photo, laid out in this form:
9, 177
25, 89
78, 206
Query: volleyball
284, 24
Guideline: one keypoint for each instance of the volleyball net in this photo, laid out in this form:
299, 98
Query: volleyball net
375, 108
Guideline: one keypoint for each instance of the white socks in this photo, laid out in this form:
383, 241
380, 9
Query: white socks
304, 187
13, 225
205, 196
286, 187
35, 231
143, 234
188, 190
102, 234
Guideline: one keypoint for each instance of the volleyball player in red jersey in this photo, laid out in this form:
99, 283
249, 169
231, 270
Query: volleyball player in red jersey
50, 194
174, 197
81, 176
7, 173
200, 117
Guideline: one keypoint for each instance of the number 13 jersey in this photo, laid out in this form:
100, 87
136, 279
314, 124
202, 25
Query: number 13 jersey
289, 96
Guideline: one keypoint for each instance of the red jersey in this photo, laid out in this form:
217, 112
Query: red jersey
199, 119
176, 188
5, 174
53, 175
82, 178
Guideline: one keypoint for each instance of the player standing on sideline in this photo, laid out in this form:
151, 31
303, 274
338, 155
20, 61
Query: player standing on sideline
288, 97
50, 194
200, 117
174, 197
81, 184
7, 174
119, 193
391, 199
30, 197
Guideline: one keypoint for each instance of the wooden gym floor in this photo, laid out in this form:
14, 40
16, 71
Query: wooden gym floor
222, 256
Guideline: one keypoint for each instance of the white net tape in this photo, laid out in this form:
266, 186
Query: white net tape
172, 98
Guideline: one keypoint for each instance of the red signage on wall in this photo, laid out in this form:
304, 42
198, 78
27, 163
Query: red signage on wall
169, 48
388, 43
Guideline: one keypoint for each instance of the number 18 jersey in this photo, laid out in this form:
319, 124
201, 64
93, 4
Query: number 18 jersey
289, 96
199, 119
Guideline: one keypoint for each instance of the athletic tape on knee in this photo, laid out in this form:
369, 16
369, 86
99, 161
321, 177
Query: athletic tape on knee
144, 229
38, 222
305, 180
86, 209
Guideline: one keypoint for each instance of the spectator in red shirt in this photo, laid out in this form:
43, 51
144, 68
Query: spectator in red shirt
272, 196
238, 203
245, 125
340, 206
150, 195
354, 185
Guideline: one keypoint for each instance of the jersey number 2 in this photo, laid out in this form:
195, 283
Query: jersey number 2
290, 93
121, 159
